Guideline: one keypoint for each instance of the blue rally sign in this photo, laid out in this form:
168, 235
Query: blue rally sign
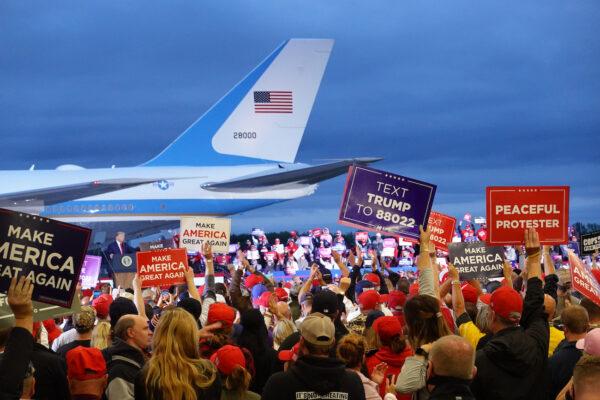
49, 252
384, 202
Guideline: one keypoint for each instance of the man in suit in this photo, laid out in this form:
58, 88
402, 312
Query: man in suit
119, 246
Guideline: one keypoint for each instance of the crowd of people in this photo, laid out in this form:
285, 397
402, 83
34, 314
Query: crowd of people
367, 332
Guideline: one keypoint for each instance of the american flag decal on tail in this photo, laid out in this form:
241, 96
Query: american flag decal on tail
273, 102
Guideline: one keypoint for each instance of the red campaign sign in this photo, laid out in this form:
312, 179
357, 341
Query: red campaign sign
442, 229
270, 256
316, 232
583, 279
362, 236
512, 209
162, 267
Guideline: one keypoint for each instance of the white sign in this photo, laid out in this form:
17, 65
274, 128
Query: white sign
195, 231
299, 253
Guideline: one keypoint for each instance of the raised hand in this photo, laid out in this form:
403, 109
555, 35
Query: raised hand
378, 374
452, 272
206, 331
532, 241
424, 238
19, 297
207, 251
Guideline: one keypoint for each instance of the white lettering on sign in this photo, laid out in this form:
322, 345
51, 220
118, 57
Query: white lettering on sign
527, 209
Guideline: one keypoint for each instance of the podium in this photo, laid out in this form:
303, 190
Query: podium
124, 268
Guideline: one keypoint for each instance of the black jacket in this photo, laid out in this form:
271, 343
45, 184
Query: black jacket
50, 374
512, 364
313, 378
561, 366
123, 363
447, 388
14, 362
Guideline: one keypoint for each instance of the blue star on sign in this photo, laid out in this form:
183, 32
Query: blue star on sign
163, 184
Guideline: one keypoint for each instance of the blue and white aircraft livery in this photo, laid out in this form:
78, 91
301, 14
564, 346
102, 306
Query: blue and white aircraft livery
238, 156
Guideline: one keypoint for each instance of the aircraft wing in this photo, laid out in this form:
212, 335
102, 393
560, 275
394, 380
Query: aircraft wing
60, 194
287, 174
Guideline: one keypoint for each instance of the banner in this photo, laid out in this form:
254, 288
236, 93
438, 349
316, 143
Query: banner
304, 241
279, 249
299, 253
583, 280
475, 260
48, 252
270, 255
41, 311
442, 229
316, 232
385, 202
388, 252
253, 255
157, 245
90, 271
162, 267
511, 209
339, 247
197, 230
590, 243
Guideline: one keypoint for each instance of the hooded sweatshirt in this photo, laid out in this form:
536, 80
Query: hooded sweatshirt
315, 378
395, 361
512, 364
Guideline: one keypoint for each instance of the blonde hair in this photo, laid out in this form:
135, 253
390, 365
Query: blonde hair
101, 335
281, 331
175, 369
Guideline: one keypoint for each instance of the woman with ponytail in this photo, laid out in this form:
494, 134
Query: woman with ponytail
393, 350
175, 370
231, 363
425, 324
352, 351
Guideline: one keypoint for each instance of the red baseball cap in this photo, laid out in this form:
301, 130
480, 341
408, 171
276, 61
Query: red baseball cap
84, 363
289, 355
469, 293
102, 304
227, 358
486, 298
506, 301
282, 295
384, 298
372, 278
252, 280
264, 298
396, 300
369, 299
288, 285
220, 312
52, 329
387, 327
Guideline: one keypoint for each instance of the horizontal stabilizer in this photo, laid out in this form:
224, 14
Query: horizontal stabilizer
288, 174
60, 194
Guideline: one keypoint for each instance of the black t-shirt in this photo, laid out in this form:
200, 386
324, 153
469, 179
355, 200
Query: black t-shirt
64, 349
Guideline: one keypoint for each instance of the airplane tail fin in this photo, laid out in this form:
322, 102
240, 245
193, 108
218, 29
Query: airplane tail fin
263, 117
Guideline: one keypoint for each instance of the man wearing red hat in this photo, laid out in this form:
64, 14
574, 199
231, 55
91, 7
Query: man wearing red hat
86, 370
368, 300
512, 364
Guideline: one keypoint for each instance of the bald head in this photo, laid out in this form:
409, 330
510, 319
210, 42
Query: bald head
133, 329
549, 306
452, 356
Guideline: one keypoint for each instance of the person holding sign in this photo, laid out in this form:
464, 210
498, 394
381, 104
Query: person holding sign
512, 364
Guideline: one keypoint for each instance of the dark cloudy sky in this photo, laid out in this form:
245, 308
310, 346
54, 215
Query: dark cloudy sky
462, 94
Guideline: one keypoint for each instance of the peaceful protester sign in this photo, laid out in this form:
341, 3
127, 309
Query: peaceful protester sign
475, 260
49, 252
384, 202
590, 243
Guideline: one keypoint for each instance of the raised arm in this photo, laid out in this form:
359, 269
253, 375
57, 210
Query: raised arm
426, 279
138, 300
458, 301
209, 274
338, 260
